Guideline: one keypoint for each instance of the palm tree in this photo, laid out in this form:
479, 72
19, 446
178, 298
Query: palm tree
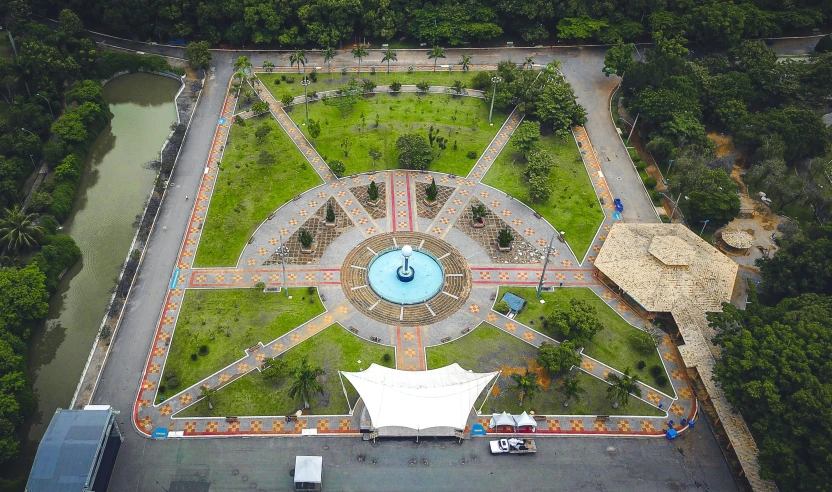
237, 84
268, 66
208, 395
328, 54
621, 387
18, 229
389, 56
305, 382
298, 57
525, 384
571, 390
359, 52
435, 54
529, 62
466, 62
242, 64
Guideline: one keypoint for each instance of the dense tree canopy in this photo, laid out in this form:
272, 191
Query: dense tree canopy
776, 369
328, 22
803, 265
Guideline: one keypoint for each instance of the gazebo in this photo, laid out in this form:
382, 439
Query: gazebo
737, 240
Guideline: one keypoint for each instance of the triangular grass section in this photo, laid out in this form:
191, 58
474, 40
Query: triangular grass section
334, 349
247, 191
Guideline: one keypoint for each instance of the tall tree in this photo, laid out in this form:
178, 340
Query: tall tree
618, 59
199, 55
298, 58
465, 62
525, 384
435, 54
359, 52
18, 230
305, 382
571, 390
579, 322
328, 54
389, 55
621, 387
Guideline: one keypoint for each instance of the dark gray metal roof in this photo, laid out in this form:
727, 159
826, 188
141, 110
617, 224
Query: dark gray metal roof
67, 453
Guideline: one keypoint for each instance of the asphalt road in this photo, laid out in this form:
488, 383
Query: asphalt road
692, 462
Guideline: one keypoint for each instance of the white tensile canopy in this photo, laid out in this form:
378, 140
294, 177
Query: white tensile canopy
419, 399
524, 420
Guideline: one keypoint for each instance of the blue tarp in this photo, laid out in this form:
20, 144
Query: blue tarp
514, 302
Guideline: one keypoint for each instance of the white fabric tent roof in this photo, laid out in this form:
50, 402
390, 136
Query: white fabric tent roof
499, 419
308, 469
419, 399
524, 419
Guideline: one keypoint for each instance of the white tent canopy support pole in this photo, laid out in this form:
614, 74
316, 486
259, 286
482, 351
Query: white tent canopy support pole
349, 405
479, 410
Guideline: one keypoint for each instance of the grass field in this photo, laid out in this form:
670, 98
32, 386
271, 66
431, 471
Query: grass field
462, 120
611, 345
572, 206
229, 321
334, 349
327, 82
489, 349
246, 192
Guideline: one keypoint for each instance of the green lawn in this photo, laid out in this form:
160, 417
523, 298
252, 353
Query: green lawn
611, 345
572, 206
229, 321
397, 115
246, 192
328, 82
488, 349
334, 349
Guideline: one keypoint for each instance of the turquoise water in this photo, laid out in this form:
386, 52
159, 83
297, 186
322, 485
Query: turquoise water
427, 278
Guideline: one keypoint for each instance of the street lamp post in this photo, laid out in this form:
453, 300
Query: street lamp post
670, 165
30, 155
282, 251
495, 80
305, 83
48, 104
705, 224
545, 264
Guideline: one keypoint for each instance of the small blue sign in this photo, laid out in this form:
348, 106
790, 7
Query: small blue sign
616, 215
159, 433
477, 430
222, 121
174, 279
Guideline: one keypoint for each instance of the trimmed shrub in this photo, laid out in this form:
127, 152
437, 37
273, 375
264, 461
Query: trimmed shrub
640, 365
194, 357
656, 371
203, 350
501, 307
650, 182
471, 154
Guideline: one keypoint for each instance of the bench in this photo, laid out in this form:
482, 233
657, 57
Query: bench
466, 330
354, 330
375, 339
602, 418
445, 340
296, 197
539, 418
537, 216
231, 419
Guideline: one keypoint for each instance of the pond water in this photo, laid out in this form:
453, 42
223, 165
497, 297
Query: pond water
116, 183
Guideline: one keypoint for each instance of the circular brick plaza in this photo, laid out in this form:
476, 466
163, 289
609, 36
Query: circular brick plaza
450, 298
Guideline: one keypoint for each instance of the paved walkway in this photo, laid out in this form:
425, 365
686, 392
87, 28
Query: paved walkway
404, 213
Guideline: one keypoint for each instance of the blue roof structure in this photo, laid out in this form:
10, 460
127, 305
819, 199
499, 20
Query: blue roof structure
515, 303
71, 456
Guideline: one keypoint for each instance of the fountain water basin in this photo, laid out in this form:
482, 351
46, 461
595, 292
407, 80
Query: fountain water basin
405, 276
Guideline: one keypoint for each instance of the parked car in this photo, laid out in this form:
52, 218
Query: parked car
513, 446
619, 207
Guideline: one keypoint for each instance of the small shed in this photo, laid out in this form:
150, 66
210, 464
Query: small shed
308, 472
515, 303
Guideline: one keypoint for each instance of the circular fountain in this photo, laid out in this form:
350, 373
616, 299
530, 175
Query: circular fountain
404, 276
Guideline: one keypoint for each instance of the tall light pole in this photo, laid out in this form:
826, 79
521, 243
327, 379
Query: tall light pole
282, 251
27, 131
705, 224
48, 104
305, 83
545, 264
495, 80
